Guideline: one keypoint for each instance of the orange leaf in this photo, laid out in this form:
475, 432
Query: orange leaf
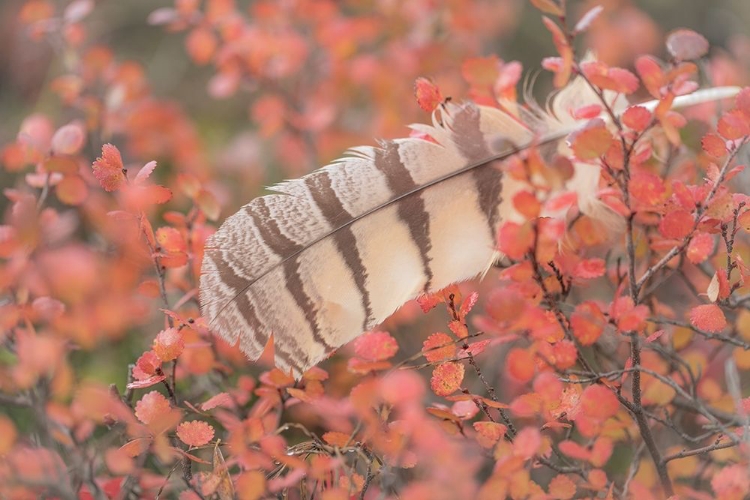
195, 433
565, 66
598, 402
201, 45
446, 378
251, 485
108, 169
647, 188
221, 399
489, 433
170, 240
527, 204
151, 407
72, 190
168, 344
481, 71
562, 487
438, 347
591, 141
337, 439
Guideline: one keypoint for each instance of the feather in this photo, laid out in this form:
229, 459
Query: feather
332, 254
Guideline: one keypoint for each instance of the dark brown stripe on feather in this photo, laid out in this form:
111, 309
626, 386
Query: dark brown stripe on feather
329, 204
247, 309
282, 246
411, 209
471, 143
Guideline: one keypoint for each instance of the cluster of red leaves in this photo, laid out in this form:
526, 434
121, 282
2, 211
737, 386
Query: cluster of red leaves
573, 357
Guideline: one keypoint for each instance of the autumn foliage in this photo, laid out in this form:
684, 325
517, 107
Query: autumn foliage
607, 355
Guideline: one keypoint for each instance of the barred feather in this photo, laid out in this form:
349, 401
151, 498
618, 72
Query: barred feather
332, 254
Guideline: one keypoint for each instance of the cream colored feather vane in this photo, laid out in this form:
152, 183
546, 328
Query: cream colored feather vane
334, 253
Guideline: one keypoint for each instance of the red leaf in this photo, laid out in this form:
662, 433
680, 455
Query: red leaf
195, 433
527, 442
598, 402
375, 346
655, 336
700, 248
562, 201
587, 112
108, 169
651, 75
201, 45
428, 94
146, 365
589, 269
686, 45
515, 240
637, 118
446, 378
731, 482
520, 364
588, 323
647, 188
676, 224
714, 145
733, 125
468, 304
742, 101
708, 317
